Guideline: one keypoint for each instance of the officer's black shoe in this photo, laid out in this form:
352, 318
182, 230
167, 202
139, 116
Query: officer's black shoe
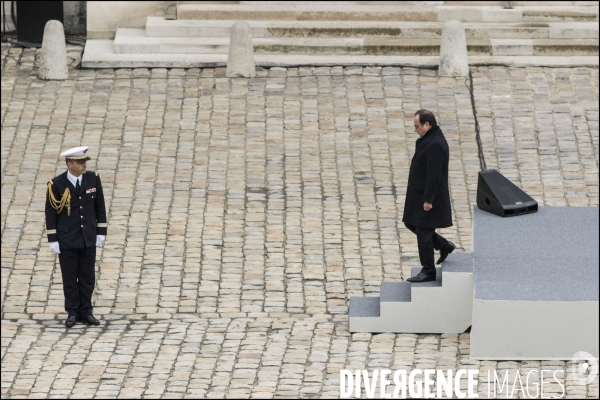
71, 320
422, 277
90, 319
445, 251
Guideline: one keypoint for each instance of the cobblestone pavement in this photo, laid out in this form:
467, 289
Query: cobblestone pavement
244, 213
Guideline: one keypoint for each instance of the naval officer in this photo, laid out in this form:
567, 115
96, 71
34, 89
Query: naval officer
76, 225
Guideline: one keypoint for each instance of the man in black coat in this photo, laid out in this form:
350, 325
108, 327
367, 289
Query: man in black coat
76, 225
427, 205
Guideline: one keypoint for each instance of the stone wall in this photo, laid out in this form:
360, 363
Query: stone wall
75, 17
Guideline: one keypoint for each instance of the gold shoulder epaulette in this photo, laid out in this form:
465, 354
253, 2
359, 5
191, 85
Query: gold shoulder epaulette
96, 173
64, 201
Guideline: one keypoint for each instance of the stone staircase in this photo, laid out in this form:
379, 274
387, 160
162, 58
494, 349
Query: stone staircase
443, 306
351, 34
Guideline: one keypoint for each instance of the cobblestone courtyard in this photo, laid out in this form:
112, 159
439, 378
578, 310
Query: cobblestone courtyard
244, 213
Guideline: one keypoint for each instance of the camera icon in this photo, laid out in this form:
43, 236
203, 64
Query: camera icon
584, 368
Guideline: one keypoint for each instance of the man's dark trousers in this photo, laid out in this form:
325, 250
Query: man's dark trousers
427, 240
77, 267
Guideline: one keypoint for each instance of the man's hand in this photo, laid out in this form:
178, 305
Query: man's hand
427, 206
100, 240
54, 247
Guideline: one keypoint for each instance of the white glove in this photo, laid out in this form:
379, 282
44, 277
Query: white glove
54, 247
99, 240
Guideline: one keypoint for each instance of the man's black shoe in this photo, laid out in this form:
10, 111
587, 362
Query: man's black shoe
445, 251
422, 278
71, 320
90, 319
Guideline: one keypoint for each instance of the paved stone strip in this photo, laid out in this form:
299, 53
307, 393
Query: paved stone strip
244, 213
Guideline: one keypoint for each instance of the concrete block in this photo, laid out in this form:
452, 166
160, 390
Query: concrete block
240, 61
134, 41
512, 47
53, 57
453, 51
580, 30
498, 15
535, 61
448, 13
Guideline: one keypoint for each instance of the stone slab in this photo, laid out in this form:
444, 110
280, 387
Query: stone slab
392, 12
500, 14
512, 47
159, 27
573, 30
310, 11
100, 54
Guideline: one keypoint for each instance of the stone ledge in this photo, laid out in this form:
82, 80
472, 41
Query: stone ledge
99, 54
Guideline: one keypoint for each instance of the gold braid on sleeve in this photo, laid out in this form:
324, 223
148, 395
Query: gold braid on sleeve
64, 201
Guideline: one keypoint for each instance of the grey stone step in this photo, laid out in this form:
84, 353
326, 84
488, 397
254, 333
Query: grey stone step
100, 54
159, 27
134, 41
394, 291
576, 14
363, 307
458, 262
438, 278
323, 12
351, 12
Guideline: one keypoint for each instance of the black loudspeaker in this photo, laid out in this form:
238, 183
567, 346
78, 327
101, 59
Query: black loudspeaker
498, 195
32, 17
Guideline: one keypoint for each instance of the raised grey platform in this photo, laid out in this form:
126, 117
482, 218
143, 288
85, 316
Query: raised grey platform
535, 284
440, 306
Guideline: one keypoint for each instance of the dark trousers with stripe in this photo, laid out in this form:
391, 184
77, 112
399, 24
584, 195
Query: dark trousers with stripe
77, 267
427, 240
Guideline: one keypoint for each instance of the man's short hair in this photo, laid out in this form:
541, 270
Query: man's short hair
426, 116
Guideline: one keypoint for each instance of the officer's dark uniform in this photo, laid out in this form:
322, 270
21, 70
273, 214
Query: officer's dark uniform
74, 218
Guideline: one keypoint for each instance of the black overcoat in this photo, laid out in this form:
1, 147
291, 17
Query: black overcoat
88, 212
428, 182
